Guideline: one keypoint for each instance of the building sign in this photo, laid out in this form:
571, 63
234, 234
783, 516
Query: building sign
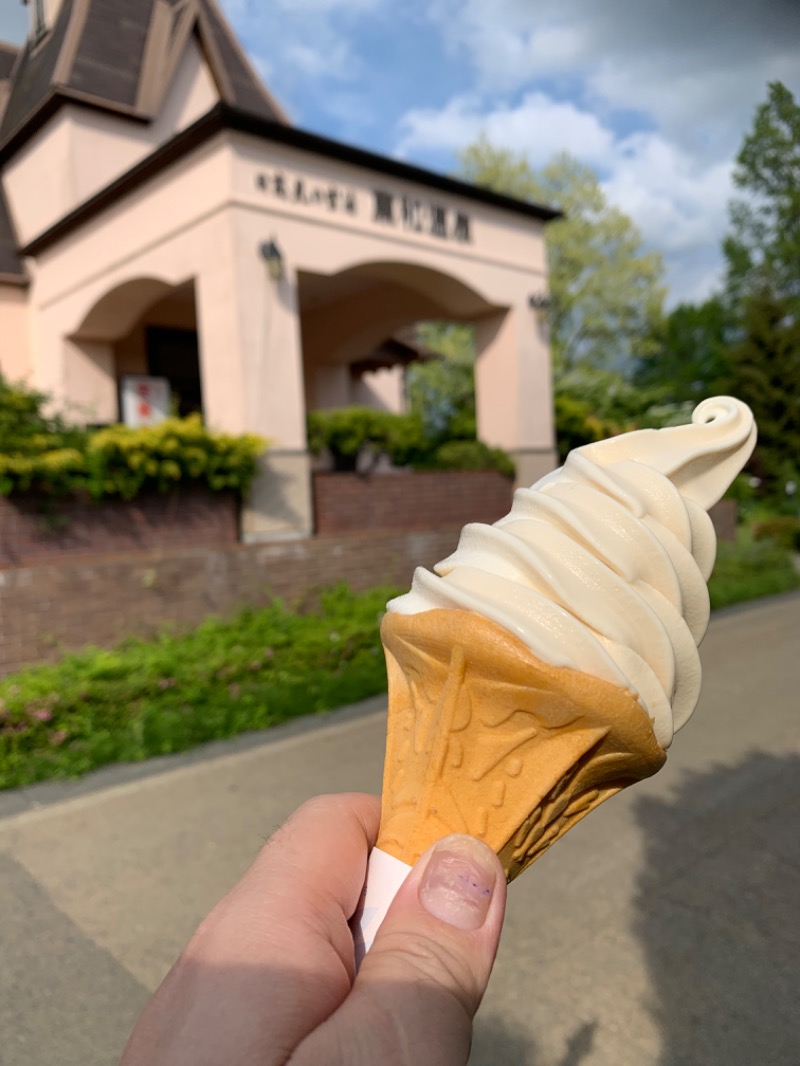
145, 400
421, 216
407, 213
298, 190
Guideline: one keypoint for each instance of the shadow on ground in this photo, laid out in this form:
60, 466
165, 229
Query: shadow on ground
500, 1043
717, 914
63, 999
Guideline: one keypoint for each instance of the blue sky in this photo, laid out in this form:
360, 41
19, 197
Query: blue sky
655, 96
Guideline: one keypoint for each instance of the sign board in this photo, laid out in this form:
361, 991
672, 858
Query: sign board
145, 400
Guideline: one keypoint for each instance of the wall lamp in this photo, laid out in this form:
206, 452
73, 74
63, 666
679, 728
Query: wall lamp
539, 301
273, 257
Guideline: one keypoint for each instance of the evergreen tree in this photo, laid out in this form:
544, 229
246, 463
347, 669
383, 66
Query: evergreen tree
763, 246
692, 361
765, 373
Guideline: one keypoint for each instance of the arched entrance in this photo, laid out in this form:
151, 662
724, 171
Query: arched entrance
350, 323
144, 326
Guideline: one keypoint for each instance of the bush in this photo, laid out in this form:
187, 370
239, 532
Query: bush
783, 530
121, 461
42, 453
472, 455
348, 431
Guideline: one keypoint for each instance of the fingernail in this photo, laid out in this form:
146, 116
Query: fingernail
459, 881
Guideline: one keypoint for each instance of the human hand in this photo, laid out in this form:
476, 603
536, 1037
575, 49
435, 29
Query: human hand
268, 978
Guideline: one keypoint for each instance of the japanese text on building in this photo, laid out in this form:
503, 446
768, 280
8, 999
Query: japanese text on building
405, 212
420, 216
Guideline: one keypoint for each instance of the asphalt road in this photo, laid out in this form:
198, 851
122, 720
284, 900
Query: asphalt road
662, 931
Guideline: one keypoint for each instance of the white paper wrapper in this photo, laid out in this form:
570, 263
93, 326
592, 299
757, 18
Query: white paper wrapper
385, 875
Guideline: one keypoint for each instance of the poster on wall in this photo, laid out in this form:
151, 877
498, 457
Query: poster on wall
145, 400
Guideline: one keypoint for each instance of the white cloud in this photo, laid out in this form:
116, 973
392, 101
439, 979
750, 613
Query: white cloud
538, 127
695, 67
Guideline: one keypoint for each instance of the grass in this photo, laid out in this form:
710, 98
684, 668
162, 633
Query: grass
148, 698
750, 569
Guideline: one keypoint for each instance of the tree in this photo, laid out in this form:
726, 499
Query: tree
691, 362
765, 373
442, 391
606, 291
763, 247
762, 251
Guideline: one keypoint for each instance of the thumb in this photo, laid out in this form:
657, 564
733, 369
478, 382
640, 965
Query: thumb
424, 977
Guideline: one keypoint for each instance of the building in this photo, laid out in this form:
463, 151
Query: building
160, 215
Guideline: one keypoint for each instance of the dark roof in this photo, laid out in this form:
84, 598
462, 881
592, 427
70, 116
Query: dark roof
33, 76
11, 266
108, 59
119, 56
394, 351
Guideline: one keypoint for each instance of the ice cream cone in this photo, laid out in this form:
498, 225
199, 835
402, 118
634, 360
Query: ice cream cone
484, 738
548, 662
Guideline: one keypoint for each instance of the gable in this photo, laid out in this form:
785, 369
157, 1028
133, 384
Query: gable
119, 56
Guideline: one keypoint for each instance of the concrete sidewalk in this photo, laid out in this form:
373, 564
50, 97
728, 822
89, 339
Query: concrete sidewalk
662, 930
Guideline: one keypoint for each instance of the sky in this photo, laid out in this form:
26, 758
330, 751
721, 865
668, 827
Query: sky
655, 95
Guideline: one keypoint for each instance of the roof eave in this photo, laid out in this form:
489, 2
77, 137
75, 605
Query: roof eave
223, 117
314, 142
50, 105
21, 281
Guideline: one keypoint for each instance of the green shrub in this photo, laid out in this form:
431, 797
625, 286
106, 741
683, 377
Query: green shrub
148, 698
42, 453
472, 455
347, 431
783, 530
747, 570
121, 461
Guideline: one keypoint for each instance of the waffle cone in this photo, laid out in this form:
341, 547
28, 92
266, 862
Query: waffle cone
486, 739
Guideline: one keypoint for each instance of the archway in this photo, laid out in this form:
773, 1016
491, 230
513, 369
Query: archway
145, 326
350, 323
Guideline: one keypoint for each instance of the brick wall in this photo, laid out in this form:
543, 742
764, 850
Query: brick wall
53, 607
355, 503
37, 529
57, 602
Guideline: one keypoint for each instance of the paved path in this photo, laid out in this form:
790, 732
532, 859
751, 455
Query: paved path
662, 931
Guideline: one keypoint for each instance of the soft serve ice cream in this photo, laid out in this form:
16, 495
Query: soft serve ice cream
603, 565
546, 664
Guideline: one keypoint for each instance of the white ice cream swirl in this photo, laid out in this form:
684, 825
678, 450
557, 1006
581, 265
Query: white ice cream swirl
603, 565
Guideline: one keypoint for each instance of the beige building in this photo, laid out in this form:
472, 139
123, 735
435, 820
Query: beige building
159, 215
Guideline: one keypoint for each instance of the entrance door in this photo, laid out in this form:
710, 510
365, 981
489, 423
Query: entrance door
173, 354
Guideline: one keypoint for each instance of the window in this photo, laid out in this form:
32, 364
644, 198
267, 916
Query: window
39, 23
